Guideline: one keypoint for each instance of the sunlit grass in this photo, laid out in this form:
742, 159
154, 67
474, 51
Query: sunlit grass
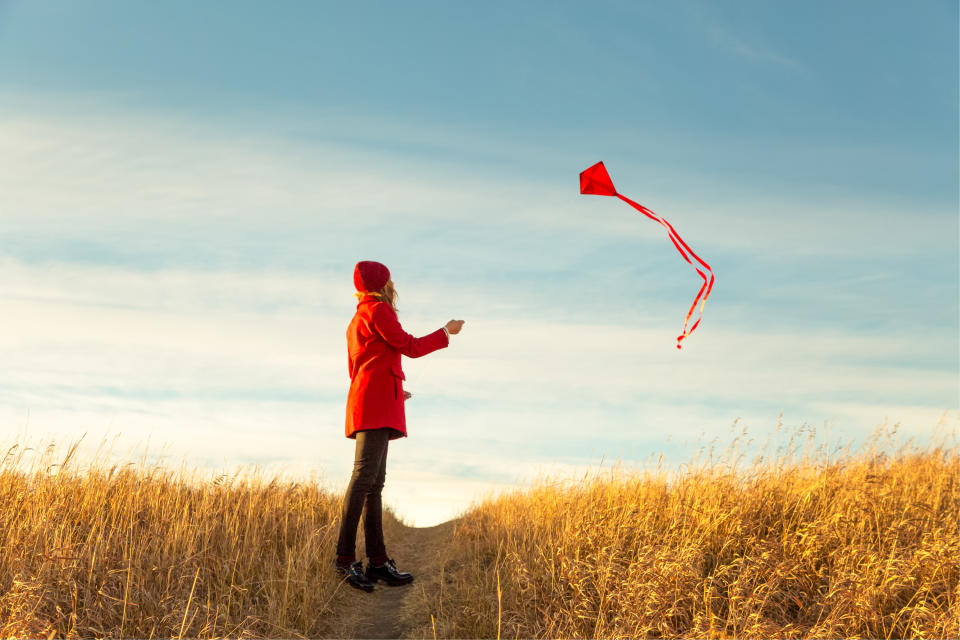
801, 543
138, 551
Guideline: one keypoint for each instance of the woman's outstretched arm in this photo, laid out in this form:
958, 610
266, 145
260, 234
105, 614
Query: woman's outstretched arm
385, 323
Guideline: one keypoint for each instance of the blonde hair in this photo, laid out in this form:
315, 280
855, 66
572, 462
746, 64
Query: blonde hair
386, 294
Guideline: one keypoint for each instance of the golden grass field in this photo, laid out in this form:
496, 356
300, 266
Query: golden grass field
799, 544
796, 544
136, 551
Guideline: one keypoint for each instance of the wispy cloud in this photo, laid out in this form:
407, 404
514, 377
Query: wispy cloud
230, 350
103, 179
724, 39
232, 365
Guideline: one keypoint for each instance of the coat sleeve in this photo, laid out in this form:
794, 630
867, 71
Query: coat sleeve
386, 324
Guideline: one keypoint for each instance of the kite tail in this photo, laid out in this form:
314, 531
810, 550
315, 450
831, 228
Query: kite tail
693, 306
681, 245
670, 230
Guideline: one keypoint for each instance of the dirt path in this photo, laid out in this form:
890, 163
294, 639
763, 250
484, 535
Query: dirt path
379, 614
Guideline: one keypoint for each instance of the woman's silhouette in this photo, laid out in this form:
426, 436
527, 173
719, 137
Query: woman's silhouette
375, 415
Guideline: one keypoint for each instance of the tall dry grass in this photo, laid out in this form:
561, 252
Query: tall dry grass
138, 551
798, 544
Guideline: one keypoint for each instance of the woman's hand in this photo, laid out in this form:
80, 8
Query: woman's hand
407, 395
454, 326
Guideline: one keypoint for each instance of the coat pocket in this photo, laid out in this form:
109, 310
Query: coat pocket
398, 379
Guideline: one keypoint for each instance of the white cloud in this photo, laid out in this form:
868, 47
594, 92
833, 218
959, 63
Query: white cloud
100, 173
230, 366
724, 39
920, 422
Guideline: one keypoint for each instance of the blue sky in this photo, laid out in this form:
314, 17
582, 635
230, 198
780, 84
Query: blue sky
185, 188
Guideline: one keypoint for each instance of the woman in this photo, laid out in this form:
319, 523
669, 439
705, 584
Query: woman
375, 415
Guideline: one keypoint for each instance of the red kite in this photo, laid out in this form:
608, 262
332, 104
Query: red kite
596, 181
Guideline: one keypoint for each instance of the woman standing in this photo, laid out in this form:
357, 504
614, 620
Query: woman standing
375, 415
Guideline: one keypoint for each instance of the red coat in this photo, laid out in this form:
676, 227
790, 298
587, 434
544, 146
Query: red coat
375, 341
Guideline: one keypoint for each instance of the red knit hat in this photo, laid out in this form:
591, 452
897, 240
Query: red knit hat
370, 276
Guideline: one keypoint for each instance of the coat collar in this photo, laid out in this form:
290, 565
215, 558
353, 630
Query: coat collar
365, 296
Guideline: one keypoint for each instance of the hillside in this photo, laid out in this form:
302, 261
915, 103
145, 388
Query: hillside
859, 544
803, 544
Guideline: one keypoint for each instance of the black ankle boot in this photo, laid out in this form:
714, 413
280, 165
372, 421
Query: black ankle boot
353, 575
388, 573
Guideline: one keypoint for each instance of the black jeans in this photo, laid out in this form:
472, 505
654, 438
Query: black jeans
363, 494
